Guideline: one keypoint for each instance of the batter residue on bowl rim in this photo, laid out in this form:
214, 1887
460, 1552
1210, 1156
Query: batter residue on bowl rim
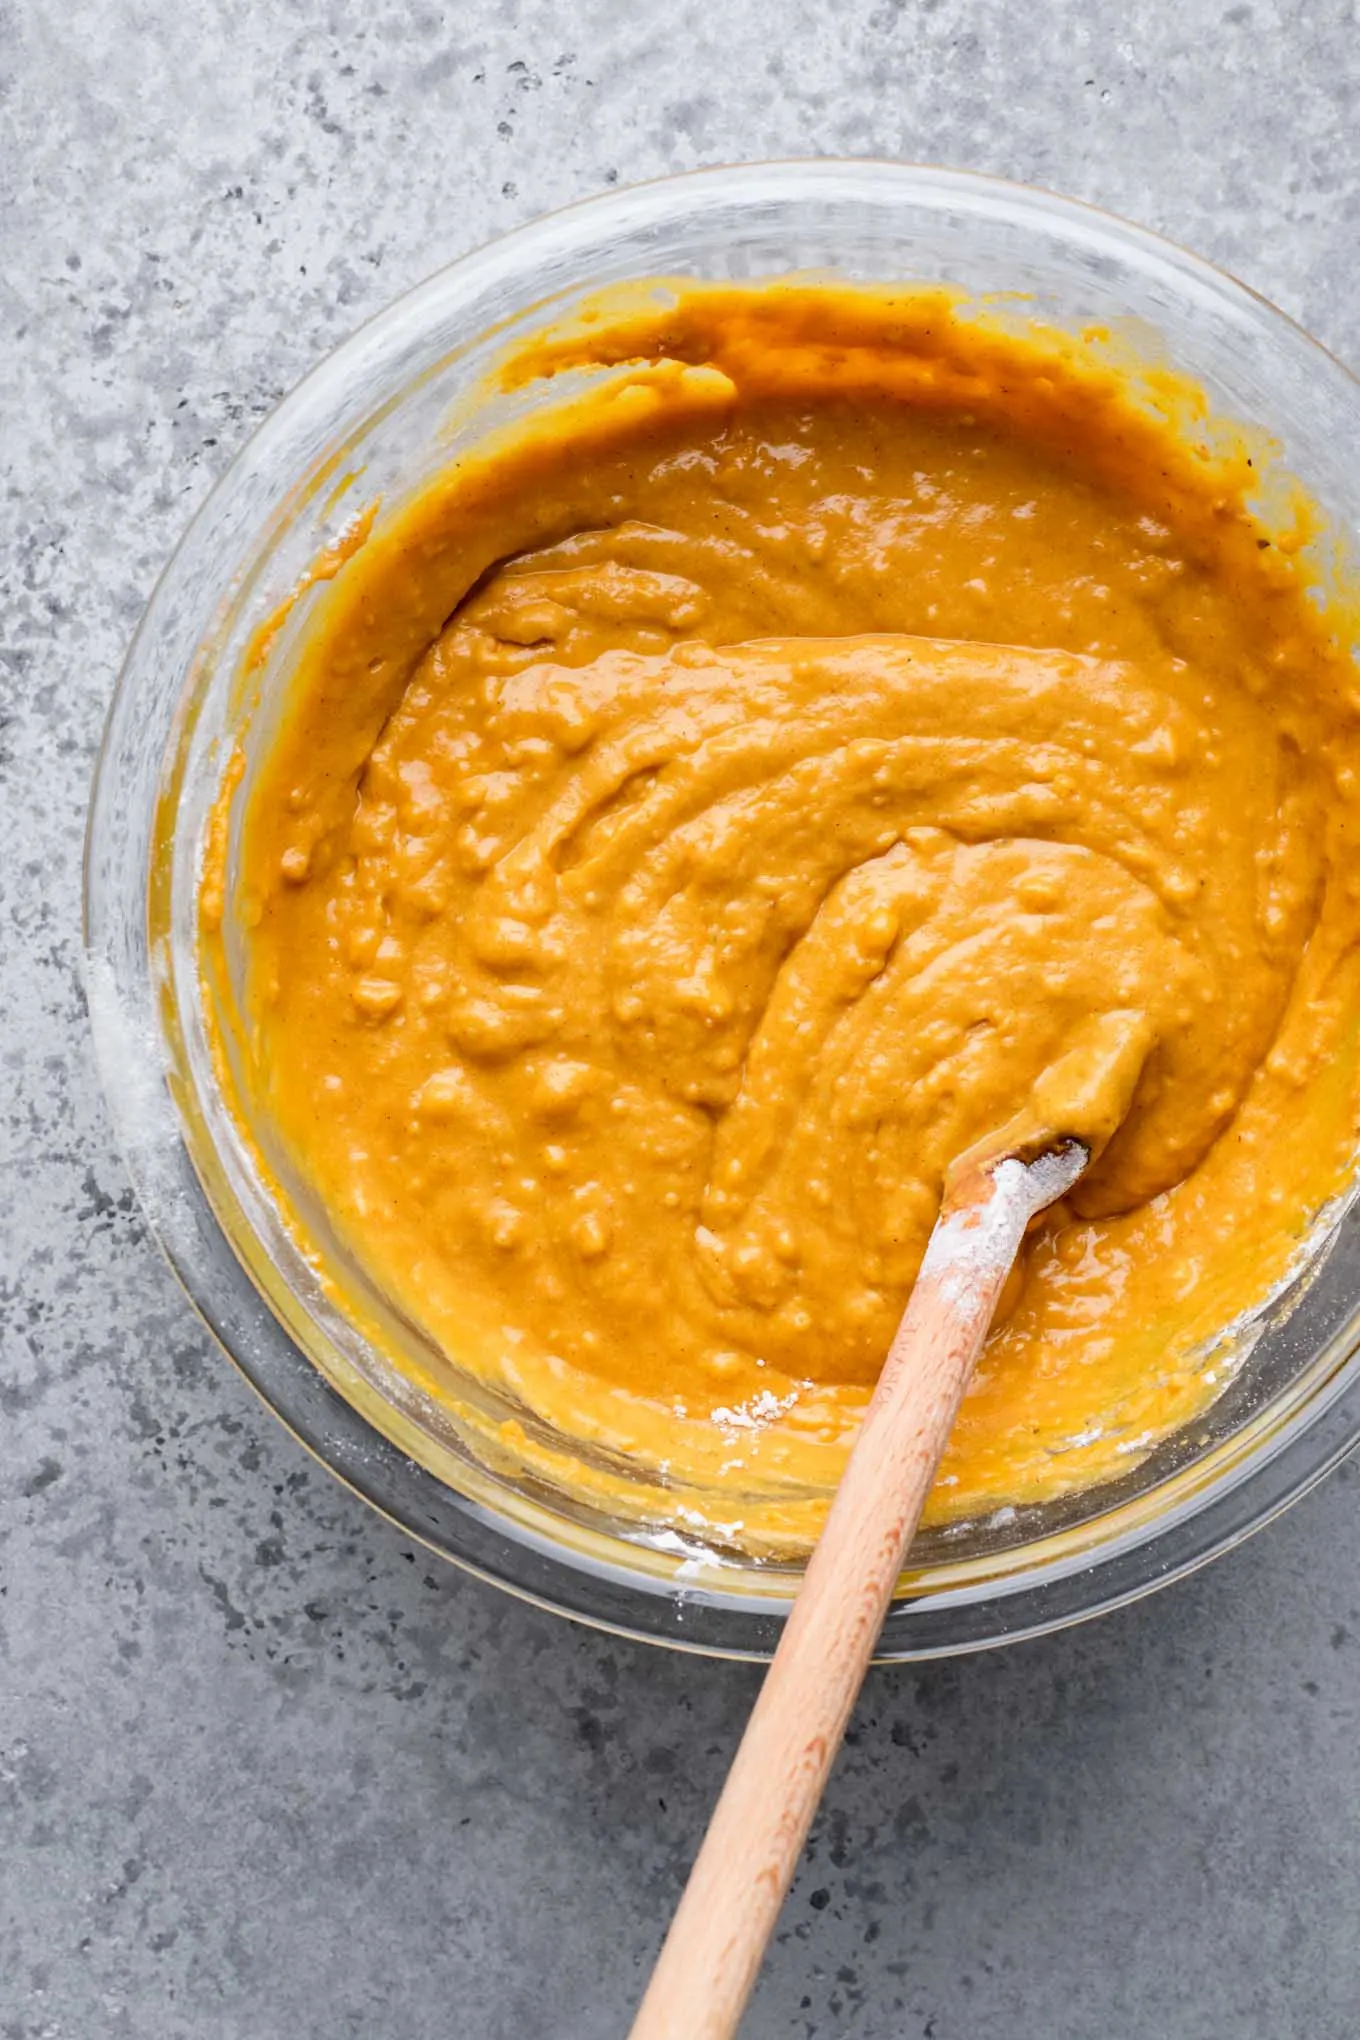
717, 800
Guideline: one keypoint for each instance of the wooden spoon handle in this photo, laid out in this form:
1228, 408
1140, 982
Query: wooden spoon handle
718, 1937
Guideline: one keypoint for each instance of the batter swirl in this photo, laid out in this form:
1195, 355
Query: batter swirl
700, 819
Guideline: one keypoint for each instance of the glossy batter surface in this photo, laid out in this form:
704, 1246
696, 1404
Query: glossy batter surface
708, 810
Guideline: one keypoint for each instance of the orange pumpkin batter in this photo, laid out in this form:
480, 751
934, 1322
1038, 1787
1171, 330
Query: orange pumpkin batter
711, 805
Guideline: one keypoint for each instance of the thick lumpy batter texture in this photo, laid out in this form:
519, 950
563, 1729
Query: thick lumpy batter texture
707, 810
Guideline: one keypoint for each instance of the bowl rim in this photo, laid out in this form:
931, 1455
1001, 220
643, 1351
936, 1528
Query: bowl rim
453, 1525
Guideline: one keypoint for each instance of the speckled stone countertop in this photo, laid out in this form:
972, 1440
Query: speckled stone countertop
266, 1772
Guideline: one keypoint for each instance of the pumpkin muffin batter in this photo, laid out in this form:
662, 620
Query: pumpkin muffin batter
717, 801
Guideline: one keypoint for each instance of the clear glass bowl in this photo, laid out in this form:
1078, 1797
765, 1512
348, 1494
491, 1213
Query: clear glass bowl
374, 418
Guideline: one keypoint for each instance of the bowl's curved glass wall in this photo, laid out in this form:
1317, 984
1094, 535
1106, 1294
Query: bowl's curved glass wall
373, 420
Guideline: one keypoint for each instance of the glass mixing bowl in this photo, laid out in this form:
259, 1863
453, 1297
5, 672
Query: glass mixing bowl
372, 420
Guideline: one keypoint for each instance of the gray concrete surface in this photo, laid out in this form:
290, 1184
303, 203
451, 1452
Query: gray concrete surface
266, 1773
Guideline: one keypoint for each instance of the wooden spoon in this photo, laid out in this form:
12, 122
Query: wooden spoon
717, 1940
